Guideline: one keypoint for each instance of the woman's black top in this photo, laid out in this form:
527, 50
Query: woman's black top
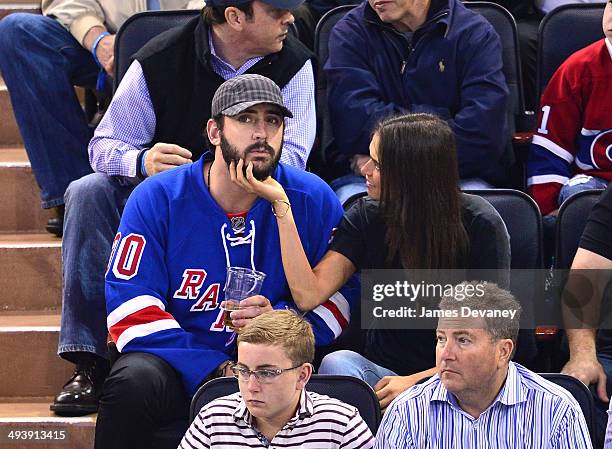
361, 238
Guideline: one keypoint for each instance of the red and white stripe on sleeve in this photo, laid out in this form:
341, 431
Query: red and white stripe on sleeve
336, 312
138, 317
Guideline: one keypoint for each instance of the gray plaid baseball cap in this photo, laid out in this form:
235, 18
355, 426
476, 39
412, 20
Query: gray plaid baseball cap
243, 91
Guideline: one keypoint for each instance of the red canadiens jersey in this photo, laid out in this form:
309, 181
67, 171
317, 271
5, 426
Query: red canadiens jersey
574, 132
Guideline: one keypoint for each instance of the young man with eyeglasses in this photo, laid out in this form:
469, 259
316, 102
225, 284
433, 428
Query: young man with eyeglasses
273, 407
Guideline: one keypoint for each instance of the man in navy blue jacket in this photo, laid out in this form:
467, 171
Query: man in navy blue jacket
397, 56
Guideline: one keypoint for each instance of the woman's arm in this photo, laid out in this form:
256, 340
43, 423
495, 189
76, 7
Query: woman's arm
309, 287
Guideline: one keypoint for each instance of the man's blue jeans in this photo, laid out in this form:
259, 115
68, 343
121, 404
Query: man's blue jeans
41, 62
580, 183
350, 363
348, 185
94, 205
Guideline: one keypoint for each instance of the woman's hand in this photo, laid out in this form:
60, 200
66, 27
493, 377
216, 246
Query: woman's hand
268, 189
389, 387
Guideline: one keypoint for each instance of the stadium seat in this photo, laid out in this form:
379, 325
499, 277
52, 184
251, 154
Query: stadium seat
563, 31
321, 49
524, 223
142, 27
580, 392
351, 390
503, 22
571, 221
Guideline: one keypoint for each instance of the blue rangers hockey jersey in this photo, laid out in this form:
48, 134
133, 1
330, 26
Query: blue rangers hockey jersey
167, 269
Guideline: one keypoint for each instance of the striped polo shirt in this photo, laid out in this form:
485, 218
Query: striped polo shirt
528, 413
320, 422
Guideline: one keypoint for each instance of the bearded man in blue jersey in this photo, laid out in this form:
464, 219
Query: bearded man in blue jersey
179, 233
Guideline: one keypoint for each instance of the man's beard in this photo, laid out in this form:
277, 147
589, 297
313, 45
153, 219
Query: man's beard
260, 172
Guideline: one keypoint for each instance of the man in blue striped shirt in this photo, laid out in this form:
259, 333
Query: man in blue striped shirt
479, 398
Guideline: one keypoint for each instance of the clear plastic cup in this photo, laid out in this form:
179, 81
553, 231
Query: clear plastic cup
241, 283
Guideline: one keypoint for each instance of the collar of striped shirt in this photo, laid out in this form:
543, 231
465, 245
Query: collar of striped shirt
305, 410
227, 70
513, 392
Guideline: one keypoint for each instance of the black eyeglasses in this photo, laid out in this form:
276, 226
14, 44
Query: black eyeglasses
262, 375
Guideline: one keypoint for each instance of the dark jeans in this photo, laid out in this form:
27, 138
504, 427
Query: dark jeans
143, 405
41, 63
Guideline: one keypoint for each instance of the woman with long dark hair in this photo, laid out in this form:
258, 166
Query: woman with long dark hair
414, 217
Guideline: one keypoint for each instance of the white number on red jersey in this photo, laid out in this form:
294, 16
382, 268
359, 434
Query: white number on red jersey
545, 114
